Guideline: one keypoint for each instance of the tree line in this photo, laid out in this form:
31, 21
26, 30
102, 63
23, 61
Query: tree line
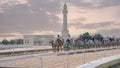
12, 42
87, 36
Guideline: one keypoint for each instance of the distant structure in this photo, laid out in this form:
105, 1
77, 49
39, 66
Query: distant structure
38, 39
65, 31
45, 39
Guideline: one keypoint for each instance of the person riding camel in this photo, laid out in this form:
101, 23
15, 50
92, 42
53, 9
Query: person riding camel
69, 38
58, 39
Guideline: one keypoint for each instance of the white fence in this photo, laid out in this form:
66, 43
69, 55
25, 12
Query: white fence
66, 59
107, 62
13, 49
3, 47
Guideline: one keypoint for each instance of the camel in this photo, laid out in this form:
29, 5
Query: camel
56, 46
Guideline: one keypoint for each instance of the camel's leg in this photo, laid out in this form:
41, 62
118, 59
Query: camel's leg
57, 48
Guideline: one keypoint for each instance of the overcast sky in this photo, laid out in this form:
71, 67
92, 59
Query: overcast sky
19, 17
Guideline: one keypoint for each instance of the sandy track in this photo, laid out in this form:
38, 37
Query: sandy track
55, 61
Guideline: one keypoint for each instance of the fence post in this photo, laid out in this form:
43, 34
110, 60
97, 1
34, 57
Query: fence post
84, 55
25, 50
67, 63
95, 53
105, 51
118, 49
111, 51
41, 62
114, 50
37, 49
13, 51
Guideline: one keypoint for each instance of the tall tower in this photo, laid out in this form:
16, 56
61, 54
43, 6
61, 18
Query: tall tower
65, 31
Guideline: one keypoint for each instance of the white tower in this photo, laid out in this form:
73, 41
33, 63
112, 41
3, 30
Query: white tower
65, 32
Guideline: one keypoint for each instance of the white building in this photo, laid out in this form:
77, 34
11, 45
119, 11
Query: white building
38, 39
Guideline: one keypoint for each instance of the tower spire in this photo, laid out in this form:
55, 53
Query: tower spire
65, 31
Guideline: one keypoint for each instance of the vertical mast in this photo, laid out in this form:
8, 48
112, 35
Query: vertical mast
65, 17
65, 31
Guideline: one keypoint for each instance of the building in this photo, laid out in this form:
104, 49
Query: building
38, 39
45, 39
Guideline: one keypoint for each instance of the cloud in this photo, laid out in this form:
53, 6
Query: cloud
91, 26
95, 3
52, 6
10, 36
97, 25
111, 33
7, 4
78, 20
117, 24
40, 16
7, 35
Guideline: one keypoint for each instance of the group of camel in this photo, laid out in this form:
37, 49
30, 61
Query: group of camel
82, 44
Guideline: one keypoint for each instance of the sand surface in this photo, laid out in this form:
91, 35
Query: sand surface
60, 61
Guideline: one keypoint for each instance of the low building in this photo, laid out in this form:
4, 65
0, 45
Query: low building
38, 39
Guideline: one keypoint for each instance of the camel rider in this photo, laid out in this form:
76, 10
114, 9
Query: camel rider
58, 39
83, 41
69, 38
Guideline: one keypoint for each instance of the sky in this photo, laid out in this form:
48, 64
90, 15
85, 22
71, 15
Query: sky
44, 17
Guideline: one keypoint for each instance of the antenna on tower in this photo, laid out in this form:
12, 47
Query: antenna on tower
67, 1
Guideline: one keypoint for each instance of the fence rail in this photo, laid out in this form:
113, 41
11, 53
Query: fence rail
66, 59
107, 62
13, 49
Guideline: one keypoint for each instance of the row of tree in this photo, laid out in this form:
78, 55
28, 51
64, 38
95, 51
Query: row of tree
87, 36
15, 41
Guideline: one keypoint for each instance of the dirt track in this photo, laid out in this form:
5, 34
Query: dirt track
59, 61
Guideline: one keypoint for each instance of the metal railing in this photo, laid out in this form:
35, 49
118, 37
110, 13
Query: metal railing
14, 49
64, 59
107, 62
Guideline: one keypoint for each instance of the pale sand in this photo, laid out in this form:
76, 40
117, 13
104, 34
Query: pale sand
55, 61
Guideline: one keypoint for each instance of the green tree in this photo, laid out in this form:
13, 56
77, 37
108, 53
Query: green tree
85, 35
81, 37
12, 41
19, 41
97, 36
5, 42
